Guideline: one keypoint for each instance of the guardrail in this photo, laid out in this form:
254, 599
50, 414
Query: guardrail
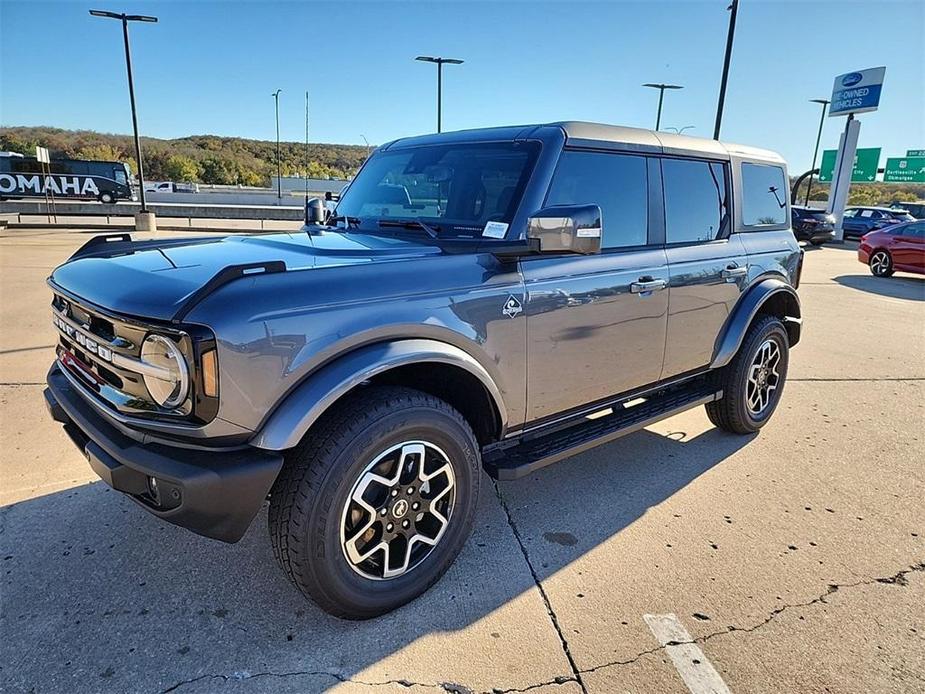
161, 209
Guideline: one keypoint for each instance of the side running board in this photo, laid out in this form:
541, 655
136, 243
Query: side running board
520, 457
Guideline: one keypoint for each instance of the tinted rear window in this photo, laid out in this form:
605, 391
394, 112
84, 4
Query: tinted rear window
695, 200
764, 195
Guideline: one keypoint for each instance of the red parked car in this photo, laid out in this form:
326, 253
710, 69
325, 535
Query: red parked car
899, 247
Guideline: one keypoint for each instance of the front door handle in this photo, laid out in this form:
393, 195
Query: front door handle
647, 284
732, 272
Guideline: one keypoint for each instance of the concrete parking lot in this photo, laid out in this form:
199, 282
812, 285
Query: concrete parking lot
794, 559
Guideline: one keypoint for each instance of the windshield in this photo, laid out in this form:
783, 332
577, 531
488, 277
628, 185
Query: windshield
457, 189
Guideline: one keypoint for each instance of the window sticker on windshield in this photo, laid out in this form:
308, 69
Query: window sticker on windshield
495, 230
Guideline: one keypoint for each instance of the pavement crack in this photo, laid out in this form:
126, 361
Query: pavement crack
856, 380
244, 675
450, 687
576, 673
899, 579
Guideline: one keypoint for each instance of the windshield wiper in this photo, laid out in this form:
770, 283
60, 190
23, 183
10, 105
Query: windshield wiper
411, 224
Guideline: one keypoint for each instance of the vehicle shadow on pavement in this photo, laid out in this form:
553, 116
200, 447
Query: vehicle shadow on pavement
99, 595
912, 288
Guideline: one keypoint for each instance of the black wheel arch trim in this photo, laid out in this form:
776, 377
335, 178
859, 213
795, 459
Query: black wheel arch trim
301, 407
786, 304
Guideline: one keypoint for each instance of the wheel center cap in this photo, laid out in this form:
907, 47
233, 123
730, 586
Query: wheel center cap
400, 508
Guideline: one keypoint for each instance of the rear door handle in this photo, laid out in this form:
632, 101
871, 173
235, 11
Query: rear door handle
647, 284
733, 272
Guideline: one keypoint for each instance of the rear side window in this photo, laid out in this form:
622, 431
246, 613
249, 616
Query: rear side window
618, 183
764, 195
696, 206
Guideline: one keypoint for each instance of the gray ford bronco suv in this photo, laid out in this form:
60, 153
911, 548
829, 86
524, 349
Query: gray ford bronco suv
494, 299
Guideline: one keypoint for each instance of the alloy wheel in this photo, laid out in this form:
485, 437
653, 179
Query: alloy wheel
398, 510
880, 263
763, 377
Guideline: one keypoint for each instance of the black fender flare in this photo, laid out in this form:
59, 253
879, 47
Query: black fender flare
786, 304
312, 397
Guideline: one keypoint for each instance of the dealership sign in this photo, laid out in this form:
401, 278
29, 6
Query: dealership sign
857, 92
35, 184
904, 170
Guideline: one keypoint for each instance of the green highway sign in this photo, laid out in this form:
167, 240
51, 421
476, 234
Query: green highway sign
905, 170
915, 152
865, 165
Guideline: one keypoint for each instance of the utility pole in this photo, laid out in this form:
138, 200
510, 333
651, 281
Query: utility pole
733, 8
809, 185
279, 174
125, 19
306, 144
661, 94
439, 62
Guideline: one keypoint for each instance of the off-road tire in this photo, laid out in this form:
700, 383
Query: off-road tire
731, 413
308, 498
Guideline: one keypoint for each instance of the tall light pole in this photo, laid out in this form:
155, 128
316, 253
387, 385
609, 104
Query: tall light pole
367, 145
733, 8
125, 19
279, 174
661, 95
809, 186
439, 61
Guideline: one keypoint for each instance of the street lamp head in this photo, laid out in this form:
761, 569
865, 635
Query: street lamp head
662, 86
436, 59
820, 101
276, 93
126, 17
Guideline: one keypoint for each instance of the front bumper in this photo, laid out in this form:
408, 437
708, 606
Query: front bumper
212, 493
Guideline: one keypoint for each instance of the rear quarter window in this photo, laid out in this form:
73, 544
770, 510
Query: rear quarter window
764, 195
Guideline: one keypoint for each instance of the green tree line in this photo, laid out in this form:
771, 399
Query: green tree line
873, 194
198, 158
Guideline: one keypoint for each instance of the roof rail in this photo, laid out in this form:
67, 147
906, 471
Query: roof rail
223, 277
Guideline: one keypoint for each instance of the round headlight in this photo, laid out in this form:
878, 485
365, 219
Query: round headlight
168, 381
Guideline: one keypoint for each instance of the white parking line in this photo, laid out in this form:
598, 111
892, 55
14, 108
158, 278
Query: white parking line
697, 672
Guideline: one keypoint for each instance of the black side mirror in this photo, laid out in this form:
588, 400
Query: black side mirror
567, 229
314, 212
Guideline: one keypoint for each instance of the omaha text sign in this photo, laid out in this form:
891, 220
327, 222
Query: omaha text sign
857, 92
905, 170
865, 165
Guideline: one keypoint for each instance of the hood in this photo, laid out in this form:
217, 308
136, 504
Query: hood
154, 282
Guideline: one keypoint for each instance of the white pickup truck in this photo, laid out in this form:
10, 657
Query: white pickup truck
171, 187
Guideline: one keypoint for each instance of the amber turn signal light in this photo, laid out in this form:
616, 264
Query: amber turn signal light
210, 374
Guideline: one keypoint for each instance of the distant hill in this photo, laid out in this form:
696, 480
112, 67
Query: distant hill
236, 160
200, 158
868, 193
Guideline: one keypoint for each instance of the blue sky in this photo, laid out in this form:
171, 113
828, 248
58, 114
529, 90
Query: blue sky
210, 67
